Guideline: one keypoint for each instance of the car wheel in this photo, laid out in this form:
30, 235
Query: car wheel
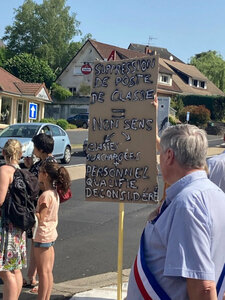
67, 156
85, 125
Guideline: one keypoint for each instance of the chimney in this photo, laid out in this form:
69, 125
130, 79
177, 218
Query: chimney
147, 50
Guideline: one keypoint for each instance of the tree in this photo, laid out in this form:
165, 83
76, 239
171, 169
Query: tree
73, 48
43, 30
212, 65
29, 68
2, 56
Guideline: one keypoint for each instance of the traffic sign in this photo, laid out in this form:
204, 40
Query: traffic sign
188, 116
86, 69
33, 111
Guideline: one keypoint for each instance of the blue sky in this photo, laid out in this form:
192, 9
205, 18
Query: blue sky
183, 27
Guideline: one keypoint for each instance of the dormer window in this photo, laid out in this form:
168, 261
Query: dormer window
165, 79
203, 84
197, 83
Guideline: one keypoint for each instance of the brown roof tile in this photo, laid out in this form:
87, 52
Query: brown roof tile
7, 82
105, 50
11, 84
29, 88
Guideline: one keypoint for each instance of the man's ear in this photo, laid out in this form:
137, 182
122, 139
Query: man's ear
169, 156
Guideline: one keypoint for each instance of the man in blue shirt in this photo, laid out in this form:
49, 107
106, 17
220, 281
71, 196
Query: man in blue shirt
216, 166
181, 254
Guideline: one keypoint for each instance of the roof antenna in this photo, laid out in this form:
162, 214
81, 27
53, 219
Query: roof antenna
150, 38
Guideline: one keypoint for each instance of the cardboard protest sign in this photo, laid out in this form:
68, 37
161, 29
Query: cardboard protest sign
121, 154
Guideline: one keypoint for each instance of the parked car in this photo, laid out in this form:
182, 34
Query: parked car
85, 144
80, 120
24, 132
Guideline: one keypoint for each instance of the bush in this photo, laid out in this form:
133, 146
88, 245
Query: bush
48, 120
199, 115
173, 120
59, 92
71, 126
84, 90
62, 123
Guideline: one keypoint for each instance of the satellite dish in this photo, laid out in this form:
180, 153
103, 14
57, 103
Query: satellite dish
171, 57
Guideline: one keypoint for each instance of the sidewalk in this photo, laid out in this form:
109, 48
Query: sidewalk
98, 287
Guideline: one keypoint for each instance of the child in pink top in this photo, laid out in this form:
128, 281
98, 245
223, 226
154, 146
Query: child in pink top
50, 176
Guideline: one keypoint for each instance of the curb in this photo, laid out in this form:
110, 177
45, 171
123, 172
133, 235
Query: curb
68, 289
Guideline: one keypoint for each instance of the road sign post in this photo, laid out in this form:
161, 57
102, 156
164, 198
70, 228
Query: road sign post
32, 111
188, 116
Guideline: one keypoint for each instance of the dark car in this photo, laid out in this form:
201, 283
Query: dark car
80, 120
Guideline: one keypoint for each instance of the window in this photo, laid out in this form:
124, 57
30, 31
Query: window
55, 130
77, 71
198, 83
203, 84
73, 90
5, 113
195, 82
165, 79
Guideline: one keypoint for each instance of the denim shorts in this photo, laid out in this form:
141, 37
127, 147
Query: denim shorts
43, 245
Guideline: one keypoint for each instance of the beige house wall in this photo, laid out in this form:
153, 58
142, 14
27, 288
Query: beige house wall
14, 108
68, 79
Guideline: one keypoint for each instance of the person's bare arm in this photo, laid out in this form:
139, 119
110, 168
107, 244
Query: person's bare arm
42, 212
4, 184
201, 289
155, 103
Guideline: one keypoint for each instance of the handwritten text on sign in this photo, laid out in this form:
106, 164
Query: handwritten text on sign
121, 155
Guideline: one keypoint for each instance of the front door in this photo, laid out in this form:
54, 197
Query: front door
20, 112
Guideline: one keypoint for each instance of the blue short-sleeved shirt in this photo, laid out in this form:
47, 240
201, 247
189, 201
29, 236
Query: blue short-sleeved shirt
216, 166
187, 241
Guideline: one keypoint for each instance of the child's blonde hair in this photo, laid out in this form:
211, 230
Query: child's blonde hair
12, 150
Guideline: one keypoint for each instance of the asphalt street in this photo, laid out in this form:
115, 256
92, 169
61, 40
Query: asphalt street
88, 233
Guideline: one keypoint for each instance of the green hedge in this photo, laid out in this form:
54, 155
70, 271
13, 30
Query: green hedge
216, 104
61, 122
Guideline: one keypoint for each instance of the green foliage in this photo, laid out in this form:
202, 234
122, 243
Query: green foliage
177, 103
212, 65
2, 56
173, 120
84, 90
71, 126
219, 108
214, 104
48, 120
29, 68
72, 50
44, 30
59, 92
199, 115
62, 123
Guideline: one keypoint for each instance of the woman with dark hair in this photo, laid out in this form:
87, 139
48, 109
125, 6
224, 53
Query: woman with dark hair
50, 176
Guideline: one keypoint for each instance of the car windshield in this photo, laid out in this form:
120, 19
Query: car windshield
25, 131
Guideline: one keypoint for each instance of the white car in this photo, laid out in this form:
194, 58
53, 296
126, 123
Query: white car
24, 133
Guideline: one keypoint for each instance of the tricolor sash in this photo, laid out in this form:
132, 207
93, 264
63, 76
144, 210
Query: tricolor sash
146, 282
220, 287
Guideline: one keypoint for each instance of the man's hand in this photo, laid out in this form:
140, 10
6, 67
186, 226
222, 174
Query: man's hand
28, 162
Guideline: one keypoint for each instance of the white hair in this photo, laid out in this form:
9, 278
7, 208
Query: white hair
189, 144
